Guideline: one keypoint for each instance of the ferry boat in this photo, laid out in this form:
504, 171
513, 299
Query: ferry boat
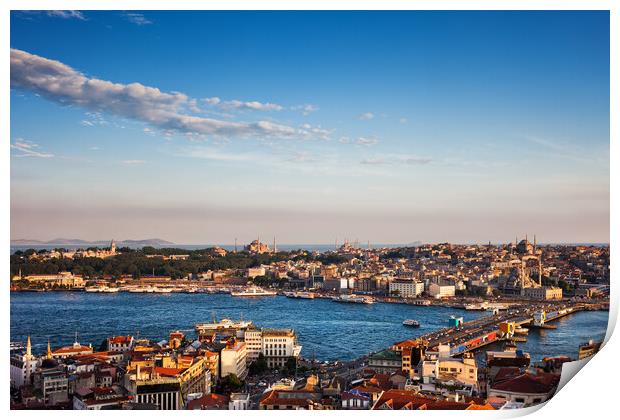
476, 306
354, 299
411, 323
300, 295
253, 292
101, 289
224, 324
589, 348
521, 331
162, 290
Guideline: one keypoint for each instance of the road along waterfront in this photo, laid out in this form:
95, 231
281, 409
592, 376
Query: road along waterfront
326, 330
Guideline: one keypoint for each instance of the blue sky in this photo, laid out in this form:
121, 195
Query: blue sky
199, 127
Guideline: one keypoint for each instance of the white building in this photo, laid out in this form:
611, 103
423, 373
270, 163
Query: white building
120, 343
22, 367
239, 401
439, 291
277, 345
233, 359
406, 287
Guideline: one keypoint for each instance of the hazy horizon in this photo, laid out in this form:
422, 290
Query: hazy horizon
199, 127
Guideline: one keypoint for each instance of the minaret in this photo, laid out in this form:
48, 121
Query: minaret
540, 271
235, 244
275, 250
28, 348
49, 349
534, 244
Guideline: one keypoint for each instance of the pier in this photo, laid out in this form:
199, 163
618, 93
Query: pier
473, 335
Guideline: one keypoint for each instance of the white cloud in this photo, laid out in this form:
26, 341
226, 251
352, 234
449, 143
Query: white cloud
137, 18
167, 111
212, 101
396, 160
403, 121
366, 116
133, 162
66, 14
252, 105
360, 141
28, 149
305, 109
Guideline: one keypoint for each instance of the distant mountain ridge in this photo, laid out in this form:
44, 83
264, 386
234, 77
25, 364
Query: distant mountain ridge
81, 242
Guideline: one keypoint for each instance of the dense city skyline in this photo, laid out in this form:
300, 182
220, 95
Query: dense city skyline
471, 127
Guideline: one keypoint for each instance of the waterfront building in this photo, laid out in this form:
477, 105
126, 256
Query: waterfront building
440, 291
406, 288
62, 279
23, 366
277, 345
76, 349
121, 343
233, 359
542, 293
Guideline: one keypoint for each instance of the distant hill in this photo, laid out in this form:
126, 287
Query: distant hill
80, 242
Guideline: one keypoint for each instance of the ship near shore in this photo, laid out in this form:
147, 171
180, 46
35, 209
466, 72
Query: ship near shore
411, 323
253, 292
354, 299
588, 349
300, 295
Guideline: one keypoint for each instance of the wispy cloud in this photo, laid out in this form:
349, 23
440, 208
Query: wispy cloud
251, 105
137, 18
360, 141
167, 111
366, 116
396, 160
132, 162
66, 14
62, 14
305, 109
28, 149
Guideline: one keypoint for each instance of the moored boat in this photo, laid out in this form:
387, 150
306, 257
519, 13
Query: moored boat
411, 323
354, 299
253, 292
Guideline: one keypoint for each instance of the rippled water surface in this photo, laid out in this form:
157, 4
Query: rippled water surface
326, 330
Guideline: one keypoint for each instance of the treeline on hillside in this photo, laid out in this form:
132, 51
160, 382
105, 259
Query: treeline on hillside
137, 263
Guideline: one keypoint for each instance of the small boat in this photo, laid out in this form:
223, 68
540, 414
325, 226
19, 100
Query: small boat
521, 331
253, 292
354, 299
411, 323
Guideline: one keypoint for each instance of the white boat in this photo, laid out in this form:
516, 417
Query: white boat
253, 292
101, 289
411, 323
300, 295
162, 290
224, 324
354, 299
